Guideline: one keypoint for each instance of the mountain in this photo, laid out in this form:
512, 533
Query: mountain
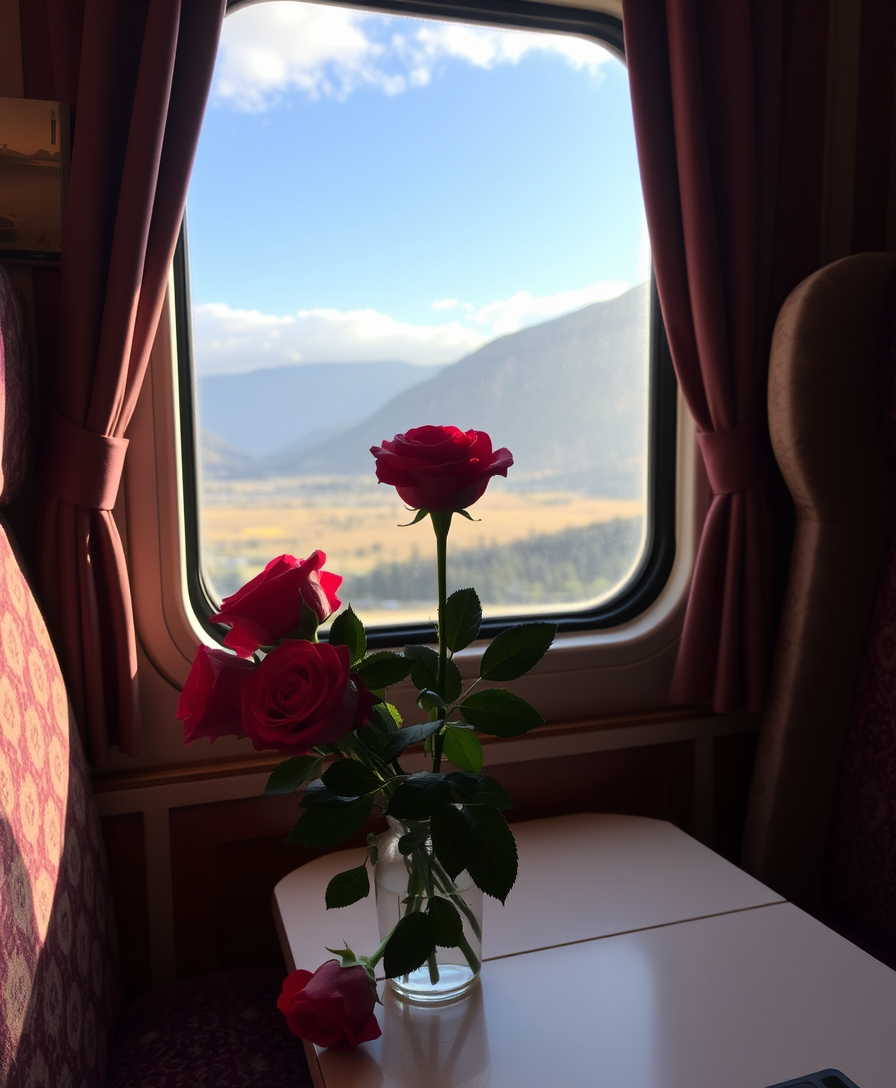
567, 397
266, 410
221, 461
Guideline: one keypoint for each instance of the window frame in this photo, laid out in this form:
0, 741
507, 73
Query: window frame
652, 575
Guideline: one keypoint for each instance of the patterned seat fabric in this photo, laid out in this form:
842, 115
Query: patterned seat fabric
861, 869
222, 1031
58, 993
59, 998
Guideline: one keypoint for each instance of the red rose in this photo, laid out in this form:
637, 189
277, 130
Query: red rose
333, 1007
209, 704
299, 696
440, 468
270, 606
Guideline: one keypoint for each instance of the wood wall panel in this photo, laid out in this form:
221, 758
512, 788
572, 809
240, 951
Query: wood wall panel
125, 843
733, 759
227, 856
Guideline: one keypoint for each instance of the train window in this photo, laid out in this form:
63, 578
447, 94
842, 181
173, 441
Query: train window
393, 221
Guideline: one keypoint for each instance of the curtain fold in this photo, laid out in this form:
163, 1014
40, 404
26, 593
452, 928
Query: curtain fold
707, 88
138, 73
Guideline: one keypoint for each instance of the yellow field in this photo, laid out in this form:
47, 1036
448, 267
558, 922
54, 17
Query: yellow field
246, 523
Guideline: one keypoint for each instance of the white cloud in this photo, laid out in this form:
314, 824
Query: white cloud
228, 341
444, 304
268, 50
522, 309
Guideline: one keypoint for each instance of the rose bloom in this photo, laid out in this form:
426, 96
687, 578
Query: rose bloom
300, 696
440, 468
333, 1007
209, 704
269, 607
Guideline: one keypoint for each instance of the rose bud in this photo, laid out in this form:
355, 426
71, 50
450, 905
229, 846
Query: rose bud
300, 696
440, 469
269, 607
332, 1007
209, 703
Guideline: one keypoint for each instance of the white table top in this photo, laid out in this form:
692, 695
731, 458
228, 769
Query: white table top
592, 875
694, 976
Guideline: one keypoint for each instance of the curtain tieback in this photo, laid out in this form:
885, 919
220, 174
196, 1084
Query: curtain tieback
80, 466
735, 459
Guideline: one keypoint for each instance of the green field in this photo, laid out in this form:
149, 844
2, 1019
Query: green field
528, 548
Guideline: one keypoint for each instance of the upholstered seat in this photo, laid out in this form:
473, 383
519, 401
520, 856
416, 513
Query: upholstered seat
60, 1018
822, 820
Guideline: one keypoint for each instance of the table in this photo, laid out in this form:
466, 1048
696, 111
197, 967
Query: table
628, 956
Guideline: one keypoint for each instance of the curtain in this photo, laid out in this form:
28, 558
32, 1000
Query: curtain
707, 85
137, 73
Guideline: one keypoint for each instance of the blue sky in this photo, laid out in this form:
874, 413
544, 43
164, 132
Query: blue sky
370, 187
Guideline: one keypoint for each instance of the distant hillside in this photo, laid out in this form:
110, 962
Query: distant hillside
573, 565
567, 397
266, 410
220, 461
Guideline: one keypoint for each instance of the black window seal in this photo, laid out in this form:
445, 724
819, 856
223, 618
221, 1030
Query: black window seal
658, 555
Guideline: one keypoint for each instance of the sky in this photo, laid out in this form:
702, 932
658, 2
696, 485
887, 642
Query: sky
374, 187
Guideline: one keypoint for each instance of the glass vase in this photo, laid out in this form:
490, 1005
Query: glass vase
406, 882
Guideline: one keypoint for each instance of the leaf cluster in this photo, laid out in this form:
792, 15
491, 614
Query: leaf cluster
364, 775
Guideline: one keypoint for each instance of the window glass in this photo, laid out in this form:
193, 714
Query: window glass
397, 221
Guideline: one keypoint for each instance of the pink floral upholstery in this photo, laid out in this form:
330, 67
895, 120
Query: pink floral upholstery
58, 995
59, 1005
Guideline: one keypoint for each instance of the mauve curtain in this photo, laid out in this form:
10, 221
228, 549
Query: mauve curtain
137, 73
706, 84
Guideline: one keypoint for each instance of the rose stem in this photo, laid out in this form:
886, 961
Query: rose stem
429, 893
448, 886
441, 523
378, 955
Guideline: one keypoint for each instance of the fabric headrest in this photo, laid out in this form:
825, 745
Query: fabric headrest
15, 378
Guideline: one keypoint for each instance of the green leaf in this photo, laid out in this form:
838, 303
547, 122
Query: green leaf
348, 958
419, 795
431, 700
393, 713
420, 515
445, 922
462, 747
425, 672
513, 653
500, 712
451, 833
328, 825
462, 619
347, 630
412, 841
349, 778
373, 740
396, 743
493, 857
293, 773
319, 796
373, 848
383, 720
381, 669
347, 888
410, 945
479, 789
424, 668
